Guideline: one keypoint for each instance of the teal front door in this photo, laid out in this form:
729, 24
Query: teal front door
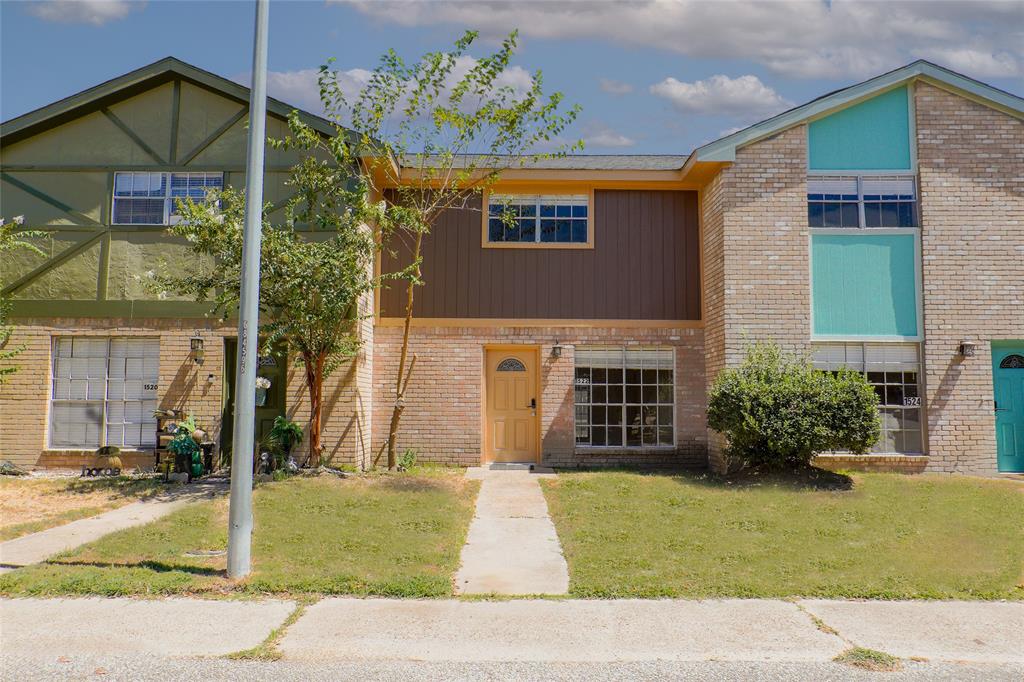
1008, 381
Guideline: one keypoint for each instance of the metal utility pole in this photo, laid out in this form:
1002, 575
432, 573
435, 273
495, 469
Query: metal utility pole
240, 510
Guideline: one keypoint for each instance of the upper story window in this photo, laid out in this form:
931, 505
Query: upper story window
150, 198
862, 201
524, 219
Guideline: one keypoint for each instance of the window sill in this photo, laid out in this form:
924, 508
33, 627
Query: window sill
538, 245
599, 450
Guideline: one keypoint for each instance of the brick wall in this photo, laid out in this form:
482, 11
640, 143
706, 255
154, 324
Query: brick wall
756, 276
183, 385
443, 419
971, 161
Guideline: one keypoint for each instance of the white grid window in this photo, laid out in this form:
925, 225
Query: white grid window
104, 392
150, 198
868, 201
625, 397
894, 370
539, 218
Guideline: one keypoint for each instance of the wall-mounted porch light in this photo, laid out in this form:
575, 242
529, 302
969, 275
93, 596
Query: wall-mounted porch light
198, 354
556, 350
966, 349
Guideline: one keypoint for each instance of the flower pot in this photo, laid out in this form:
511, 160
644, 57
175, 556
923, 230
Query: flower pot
261, 397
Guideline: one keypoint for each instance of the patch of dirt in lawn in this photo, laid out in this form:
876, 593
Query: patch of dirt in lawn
31, 504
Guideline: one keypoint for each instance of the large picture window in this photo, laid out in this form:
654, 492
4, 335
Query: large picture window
538, 219
103, 392
625, 397
862, 201
894, 370
150, 198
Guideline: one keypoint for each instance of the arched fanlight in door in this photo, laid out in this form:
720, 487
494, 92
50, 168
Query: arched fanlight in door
511, 365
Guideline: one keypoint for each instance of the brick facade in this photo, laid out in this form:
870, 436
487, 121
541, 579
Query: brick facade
756, 275
443, 415
757, 281
183, 385
971, 161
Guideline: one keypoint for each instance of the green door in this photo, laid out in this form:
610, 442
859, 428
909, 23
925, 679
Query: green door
272, 367
1008, 382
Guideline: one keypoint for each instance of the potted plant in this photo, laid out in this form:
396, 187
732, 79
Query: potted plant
262, 384
185, 446
285, 434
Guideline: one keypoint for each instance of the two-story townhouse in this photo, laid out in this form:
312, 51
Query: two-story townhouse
880, 227
99, 172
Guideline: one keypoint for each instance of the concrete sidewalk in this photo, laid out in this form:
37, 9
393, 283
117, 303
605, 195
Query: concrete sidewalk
645, 630
512, 547
556, 632
31, 549
54, 628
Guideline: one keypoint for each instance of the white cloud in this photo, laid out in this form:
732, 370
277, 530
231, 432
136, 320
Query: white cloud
980, 63
614, 87
95, 12
301, 88
597, 134
744, 97
800, 38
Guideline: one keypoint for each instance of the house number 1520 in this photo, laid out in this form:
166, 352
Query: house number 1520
149, 387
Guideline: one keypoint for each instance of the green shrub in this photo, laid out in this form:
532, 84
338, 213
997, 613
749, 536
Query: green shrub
778, 411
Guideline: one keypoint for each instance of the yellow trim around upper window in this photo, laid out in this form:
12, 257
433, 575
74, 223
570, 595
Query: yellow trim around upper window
484, 232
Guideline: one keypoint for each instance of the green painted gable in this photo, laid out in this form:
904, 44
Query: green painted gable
864, 285
872, 135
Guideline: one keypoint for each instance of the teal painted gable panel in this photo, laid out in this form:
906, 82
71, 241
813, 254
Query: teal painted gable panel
872, 135
864, 284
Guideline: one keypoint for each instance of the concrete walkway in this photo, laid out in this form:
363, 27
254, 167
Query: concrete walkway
31, 549
512, 547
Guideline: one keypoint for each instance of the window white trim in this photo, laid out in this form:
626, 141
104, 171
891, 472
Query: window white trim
872, 356
167, 197
519, 197
625, 403
137, 375
853, 182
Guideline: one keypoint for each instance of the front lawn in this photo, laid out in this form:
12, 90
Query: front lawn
29, 504
881, 536
395, 535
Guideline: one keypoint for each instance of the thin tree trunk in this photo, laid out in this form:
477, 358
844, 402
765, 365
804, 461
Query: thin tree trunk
402, 378
315, 383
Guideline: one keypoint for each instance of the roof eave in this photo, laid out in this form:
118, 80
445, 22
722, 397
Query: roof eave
724, 149
30, 122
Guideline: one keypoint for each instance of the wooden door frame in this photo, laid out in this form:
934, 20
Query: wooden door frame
485, 452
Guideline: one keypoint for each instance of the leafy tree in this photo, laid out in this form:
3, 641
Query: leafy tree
11, 238
435, 133
778, 411
316, 265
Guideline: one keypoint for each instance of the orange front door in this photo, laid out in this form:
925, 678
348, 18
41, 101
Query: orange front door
511, 414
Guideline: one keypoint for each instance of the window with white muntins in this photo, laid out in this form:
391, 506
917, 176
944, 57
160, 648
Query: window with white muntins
625, 397
894, 370
151, 198
862, 201
538, 219
103, 392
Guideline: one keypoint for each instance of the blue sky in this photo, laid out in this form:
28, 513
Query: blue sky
652, 77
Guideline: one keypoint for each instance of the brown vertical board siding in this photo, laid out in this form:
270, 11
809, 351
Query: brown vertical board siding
645, 265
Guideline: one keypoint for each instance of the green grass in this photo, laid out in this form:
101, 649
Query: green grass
395, 535
869, 659
882, 536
